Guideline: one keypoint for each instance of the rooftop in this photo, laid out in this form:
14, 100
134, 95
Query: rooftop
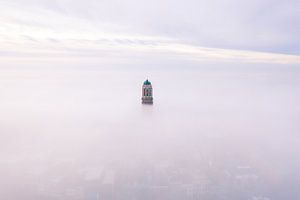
146, 82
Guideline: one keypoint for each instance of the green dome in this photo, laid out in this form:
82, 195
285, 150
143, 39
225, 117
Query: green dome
146, 82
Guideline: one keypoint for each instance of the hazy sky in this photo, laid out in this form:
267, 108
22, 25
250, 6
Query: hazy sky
59, 123
264, 31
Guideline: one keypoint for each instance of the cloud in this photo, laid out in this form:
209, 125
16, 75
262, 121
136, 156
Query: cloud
185, 30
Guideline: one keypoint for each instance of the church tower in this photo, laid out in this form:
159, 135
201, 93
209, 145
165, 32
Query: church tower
147, 93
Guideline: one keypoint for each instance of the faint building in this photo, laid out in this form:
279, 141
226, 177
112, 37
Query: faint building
147, 94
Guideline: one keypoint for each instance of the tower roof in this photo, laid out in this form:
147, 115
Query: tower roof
146, 82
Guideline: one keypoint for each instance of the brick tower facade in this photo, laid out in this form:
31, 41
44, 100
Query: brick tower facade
147, 93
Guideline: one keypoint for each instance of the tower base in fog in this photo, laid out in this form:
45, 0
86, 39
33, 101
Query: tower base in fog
147, 100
